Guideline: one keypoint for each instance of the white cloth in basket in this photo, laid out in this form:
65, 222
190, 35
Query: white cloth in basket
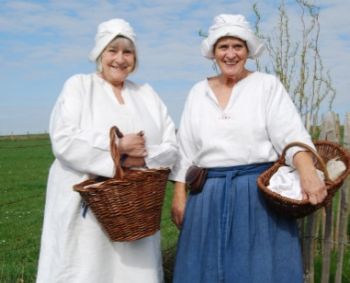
286, 182
335, 168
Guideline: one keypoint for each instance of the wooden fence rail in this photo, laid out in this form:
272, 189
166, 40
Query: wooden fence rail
326, 230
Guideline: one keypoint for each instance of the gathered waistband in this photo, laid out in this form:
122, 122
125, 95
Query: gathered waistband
238, 170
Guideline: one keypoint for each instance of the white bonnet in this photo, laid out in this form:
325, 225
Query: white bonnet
107, 31
231, 25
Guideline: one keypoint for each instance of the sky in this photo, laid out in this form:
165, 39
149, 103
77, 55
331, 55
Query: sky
43, 43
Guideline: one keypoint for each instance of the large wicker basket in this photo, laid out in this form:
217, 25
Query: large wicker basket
326, 150
128, 206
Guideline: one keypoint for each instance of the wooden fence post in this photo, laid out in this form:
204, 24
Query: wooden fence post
331, 226
328, 132
343, 209
346, 141
308, 232
310, 224
337, 216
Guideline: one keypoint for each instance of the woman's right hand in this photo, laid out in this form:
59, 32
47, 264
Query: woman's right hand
133, 145
178, 204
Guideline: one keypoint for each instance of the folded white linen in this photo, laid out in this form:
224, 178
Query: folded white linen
286, 182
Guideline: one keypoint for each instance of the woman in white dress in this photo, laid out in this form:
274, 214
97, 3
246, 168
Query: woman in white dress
74, 248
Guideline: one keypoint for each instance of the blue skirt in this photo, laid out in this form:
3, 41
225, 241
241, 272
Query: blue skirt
230, 235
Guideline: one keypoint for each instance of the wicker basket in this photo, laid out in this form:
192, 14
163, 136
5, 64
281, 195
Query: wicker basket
128, 206
299, 208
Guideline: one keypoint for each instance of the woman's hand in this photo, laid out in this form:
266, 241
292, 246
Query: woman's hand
133, 145
178, 204
130, 161
313, 188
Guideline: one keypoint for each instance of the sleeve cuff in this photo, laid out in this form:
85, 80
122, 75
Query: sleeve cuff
178, 174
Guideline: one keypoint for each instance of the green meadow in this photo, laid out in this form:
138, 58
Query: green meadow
24, 166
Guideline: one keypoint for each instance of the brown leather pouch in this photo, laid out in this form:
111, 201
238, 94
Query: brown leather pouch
195, 178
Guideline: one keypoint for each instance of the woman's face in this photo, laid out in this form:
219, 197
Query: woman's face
230, 54
118, 61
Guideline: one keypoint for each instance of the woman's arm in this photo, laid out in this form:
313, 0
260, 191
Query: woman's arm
178, 204
164, 153
313, 188
283, 121
187, 150
85, 150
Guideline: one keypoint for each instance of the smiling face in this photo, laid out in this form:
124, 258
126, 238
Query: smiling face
118, 60
231, 54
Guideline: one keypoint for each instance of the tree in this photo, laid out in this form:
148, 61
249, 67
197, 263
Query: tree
297, 62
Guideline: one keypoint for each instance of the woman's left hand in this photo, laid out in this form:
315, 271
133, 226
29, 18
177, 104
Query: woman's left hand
313, 188
133, 145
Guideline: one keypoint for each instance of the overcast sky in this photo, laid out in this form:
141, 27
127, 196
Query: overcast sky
42, 43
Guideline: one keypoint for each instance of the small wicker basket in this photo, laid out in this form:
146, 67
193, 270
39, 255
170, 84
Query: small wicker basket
326, 150
128, 206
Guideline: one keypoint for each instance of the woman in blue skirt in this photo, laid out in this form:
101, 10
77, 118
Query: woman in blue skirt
236, 124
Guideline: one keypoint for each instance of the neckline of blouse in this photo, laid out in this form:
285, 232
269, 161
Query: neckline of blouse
212, 96
109, 89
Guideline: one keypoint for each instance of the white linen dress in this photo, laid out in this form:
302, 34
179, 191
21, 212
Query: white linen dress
75, 249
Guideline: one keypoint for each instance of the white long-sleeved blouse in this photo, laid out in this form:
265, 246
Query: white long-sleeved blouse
87, 108
74, 249
259, 120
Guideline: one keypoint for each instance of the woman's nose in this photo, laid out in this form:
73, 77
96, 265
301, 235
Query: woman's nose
119, 58
231, 53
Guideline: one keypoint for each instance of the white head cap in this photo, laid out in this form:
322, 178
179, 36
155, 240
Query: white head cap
107, 31
231, 25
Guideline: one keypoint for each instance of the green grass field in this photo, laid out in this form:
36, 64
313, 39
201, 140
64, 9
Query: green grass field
24, 165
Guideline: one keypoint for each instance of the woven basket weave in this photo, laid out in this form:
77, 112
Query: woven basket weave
128, 206
326, 150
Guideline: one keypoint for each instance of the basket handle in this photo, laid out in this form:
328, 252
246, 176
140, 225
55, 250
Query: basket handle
113, 134
319, 158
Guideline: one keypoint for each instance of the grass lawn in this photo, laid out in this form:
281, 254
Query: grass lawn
24, 165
